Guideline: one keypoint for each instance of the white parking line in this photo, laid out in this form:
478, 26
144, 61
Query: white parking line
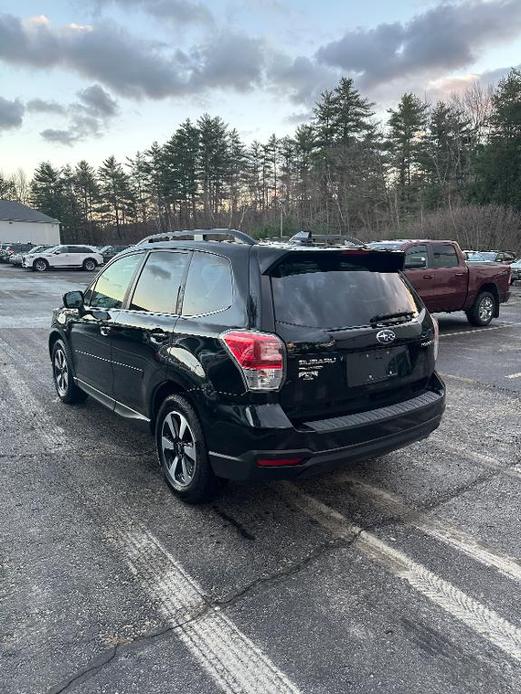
446, 533
516, 375
482, 620
476, 330
230, 658
474, 456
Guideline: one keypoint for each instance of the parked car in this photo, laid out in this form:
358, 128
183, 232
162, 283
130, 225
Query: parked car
109, 252
516, 271
446, 282
492, 257
84, 257
12, 248
16, 258
252, 361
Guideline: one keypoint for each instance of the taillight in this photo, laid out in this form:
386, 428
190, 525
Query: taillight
436, 327
260, 357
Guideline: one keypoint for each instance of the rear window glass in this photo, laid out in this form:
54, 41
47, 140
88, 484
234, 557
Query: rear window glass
334, 293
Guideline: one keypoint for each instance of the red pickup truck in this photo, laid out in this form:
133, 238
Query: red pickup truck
440, 275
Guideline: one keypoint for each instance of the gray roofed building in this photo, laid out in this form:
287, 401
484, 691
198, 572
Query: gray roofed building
22, 224
12, 211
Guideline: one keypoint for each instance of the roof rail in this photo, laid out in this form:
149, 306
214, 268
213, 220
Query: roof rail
198, 235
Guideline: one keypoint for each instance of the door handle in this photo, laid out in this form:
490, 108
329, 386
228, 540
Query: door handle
427, 277
105, 330
460, 274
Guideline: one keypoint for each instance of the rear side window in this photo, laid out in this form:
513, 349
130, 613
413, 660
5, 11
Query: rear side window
111, 287
208, 285
332, 293
444, 255
158, 285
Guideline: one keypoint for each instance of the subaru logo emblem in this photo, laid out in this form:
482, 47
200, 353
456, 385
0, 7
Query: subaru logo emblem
385, 336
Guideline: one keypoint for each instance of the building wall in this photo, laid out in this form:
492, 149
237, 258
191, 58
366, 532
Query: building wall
29, 232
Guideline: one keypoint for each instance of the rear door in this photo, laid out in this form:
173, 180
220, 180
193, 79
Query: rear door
141, 332
450, 278
353, 336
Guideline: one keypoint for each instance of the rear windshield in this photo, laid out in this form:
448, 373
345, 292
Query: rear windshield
334, 293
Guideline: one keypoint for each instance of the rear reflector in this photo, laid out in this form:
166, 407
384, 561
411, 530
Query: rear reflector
278, 462
260, 357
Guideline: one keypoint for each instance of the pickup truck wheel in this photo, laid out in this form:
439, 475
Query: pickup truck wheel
483, 310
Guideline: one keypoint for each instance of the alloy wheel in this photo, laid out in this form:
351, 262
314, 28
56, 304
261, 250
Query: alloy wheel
486, 309
61, 372
178, 448
40, 265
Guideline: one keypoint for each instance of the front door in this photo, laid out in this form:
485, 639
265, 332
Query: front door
141, 333
90, 334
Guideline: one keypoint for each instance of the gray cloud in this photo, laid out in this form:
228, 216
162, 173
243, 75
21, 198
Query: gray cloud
89, 116
228, 60
62, 137
446, 37
11, 113
301, 79
176, 11
44, 106
130, 66
98, 102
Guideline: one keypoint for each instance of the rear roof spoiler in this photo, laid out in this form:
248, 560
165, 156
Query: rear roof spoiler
372, 260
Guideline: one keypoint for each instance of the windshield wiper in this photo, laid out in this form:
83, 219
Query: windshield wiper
390, 316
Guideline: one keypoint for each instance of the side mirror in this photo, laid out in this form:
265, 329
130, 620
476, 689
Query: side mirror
56, 252
415, 264
73, 300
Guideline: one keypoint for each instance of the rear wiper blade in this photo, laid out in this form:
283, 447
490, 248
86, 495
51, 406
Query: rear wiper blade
390, 316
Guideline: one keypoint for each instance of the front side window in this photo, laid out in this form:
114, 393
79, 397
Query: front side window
416, 257
444, 255
158, 286
208, 285
111, 287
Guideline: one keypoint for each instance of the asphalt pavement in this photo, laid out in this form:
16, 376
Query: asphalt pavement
399, 574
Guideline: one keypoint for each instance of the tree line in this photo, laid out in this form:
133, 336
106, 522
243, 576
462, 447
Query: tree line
438, 169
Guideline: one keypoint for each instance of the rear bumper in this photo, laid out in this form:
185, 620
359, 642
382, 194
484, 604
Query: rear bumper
322, 445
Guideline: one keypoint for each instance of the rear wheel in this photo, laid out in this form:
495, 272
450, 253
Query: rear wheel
67, 390
40, 265
483, 309
182, 452
89, 264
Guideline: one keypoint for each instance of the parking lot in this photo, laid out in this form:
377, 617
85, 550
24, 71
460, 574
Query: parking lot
399, 574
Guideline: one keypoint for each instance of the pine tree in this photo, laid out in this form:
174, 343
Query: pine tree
47, 191
499, 164
86, 190
115, 192
213, 162
406, 147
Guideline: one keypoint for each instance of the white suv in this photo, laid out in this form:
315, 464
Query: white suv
85, 257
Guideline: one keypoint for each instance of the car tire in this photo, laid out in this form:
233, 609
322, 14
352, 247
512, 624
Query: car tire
483, 310
62, 373
89, 264
40, 265
182, 452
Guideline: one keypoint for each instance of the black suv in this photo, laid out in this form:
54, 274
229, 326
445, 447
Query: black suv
250, 360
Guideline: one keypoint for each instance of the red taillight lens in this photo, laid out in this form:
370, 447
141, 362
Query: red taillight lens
278, 462
260, 356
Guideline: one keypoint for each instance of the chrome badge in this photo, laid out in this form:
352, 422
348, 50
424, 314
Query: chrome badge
385, 337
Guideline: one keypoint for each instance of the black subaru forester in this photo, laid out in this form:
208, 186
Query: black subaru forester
252, 361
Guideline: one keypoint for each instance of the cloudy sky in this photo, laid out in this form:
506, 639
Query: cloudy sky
88, 78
